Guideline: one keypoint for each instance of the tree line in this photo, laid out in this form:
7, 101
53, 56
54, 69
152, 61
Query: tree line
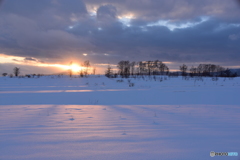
206, 70
127, 69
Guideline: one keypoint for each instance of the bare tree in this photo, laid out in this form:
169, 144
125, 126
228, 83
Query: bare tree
121, 68
183, 69
108, 72
220, 70
81, 73
212, 69
124, 68
141, 67
16, 71
4, 74
132, 65
94, 71
163, 68
193, 71
156, 67
150, 66
86, 65
70, 69
227, 73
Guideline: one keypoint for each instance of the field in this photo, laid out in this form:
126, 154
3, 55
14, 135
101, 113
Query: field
100, 118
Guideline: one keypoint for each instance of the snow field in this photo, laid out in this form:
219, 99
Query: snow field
63, 118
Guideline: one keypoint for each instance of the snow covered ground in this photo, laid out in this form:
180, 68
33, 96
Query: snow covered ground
100, 118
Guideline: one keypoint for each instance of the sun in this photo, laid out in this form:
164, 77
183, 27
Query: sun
75, 68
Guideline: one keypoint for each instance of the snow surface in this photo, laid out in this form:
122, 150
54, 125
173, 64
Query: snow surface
101, 119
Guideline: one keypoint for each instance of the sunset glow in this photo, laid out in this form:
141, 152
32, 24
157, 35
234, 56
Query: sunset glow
73, 67
35, 62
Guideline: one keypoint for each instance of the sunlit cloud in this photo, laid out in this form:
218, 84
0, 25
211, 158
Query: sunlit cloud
30, 61
226, 26
172, 26
19, 60
92, 10
126, 19
93, 13
70, 27
73, 26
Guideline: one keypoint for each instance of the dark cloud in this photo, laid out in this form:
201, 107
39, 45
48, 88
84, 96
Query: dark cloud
173, 9
238, 1
30, 59
16, 60
73, 6
73, 9
169, 30
106, 13
25, 7
201, 43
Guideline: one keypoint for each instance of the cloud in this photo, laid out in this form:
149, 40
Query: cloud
178, 25
25, 7
106, 12
153, 10
16, 60
234, 36
30, 59
238, 1
168, 30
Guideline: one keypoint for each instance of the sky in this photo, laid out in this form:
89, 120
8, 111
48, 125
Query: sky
44, 36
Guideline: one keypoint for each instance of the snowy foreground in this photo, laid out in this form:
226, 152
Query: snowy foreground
98, 118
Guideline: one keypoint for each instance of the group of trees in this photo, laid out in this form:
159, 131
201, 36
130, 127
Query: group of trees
207, 70
152, 68
127, 68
